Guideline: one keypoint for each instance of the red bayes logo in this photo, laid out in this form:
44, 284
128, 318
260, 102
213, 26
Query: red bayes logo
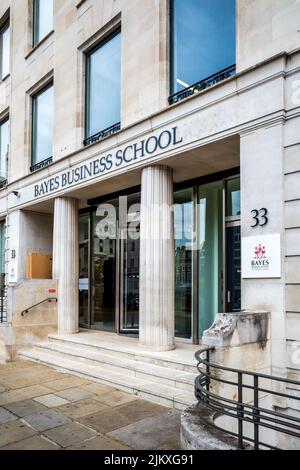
260, 260
260, 252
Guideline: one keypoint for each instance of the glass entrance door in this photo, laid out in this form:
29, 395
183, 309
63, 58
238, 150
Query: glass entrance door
233, 246
103, 267
129, 278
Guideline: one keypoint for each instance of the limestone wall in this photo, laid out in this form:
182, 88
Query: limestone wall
34, 326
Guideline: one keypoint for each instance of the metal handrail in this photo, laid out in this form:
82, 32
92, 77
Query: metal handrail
249, 412
49, 299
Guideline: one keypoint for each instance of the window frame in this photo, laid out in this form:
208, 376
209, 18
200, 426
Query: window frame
5, 119
36, 24
87, 54
172, 91
40, 164
4, 27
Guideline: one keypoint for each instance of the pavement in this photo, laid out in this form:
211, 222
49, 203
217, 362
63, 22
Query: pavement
43, 409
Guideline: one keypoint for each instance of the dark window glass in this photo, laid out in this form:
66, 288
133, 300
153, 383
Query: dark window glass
104, 86
183, 230
42, 126
42, 19
233, 206
4, 148
203, 40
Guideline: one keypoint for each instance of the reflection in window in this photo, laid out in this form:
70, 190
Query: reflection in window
203, 40
42, 126
210, 254
233, 198
4, 149
4, 50
104, 86
183, 229
42, 19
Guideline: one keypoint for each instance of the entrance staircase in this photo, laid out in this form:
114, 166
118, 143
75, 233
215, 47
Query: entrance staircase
166, 378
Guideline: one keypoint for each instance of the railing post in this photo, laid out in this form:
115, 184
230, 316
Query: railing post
256, 413
207, 370
240, 411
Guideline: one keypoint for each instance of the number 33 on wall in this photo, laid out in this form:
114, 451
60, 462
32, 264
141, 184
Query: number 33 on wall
260, 217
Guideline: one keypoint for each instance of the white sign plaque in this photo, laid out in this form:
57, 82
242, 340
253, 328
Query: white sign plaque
261, 257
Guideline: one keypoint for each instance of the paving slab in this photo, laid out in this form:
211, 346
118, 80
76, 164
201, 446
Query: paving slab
64, 383
23, 394
161, 431
75, 394
70, 434
114, 398
100, 443
51, 400
32, 443
6, 416
82, 408
15, 382
105, 421
49, 419
140, 409
14, 431
25, 407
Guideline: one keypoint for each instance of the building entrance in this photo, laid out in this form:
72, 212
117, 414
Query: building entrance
207, 250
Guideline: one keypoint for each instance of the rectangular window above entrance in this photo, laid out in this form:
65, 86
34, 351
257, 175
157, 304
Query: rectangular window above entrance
103, 90
203, 49
4, 149
4, 50
42, 128
42, 19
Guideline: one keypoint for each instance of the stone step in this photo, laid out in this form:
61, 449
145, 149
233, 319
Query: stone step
133, 367
170, 396
129, 350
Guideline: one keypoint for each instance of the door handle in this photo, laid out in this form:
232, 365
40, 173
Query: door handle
229, 297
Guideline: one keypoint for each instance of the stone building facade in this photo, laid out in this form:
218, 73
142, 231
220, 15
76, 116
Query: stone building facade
225, 151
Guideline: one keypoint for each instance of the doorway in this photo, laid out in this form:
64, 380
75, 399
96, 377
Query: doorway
207, 259
129, 279
109, 256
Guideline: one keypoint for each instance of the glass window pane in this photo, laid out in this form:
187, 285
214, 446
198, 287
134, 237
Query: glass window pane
42, 137
103, 278
104, 86
183, 219
4, 149
2, 251
203, 38
43, 19
83, 227
210, 254
233, 198
5, 51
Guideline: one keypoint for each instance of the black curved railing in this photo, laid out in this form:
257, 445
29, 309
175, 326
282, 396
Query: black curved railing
49, 299
246, 410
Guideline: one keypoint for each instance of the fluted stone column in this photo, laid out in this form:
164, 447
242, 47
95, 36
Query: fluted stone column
157, 260
65, 263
